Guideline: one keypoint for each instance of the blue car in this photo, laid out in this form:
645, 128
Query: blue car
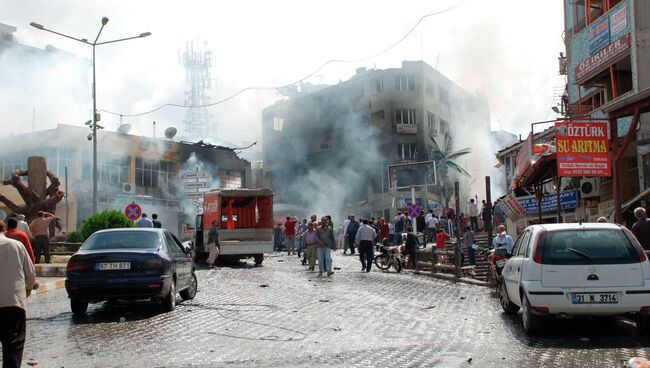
130, 264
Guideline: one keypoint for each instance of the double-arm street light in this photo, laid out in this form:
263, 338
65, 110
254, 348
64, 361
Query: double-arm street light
94, 120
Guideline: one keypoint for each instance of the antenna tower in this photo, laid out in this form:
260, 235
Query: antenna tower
197, 62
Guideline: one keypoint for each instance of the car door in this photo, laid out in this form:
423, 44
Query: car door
512, 270
183, 262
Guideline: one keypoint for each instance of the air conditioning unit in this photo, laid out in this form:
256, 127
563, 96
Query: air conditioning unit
128, 188
589, 188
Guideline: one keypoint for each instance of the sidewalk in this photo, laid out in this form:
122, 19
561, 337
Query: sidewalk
49, 284
50, 269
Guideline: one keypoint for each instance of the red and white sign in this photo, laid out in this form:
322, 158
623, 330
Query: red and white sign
603, 57
582, 148
133, 211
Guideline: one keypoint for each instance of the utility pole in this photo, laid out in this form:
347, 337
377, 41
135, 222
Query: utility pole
458, 239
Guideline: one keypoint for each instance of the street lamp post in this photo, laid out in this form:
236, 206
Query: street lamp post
94, 120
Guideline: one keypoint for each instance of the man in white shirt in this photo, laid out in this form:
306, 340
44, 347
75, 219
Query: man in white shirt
17, 279
364, 238
432, 227
472, 211
24, 226
503, 240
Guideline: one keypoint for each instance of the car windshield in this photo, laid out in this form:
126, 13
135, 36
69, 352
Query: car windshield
122, 240
592, 246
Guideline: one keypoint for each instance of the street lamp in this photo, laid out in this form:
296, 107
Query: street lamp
94, 120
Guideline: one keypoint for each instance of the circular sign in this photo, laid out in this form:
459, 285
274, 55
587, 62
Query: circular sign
133, 211
413, 209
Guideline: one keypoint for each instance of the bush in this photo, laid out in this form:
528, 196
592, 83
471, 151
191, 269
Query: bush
74, 237
110, 219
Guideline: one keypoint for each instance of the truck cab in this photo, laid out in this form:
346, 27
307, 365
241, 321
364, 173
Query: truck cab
244, 219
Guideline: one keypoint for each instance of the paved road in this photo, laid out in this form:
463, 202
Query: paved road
353, 319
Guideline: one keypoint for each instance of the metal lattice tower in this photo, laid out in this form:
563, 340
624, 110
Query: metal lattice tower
197, 63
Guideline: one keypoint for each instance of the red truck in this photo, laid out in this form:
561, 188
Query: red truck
244, 220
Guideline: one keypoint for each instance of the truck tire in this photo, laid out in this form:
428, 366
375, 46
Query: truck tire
259, 258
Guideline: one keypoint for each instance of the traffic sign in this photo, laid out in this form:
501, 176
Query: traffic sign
133, 211
194, 195
197, 185
196, 175
413, 209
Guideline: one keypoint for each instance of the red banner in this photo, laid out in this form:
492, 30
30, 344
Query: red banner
582, 148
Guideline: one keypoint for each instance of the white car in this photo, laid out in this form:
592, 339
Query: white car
576, 269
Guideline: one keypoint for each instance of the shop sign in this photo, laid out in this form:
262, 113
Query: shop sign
407, 129
568, 200
598, 36
511, 207
602, 57
618, 22
582, 148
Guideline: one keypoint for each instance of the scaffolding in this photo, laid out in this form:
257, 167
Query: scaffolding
197, 62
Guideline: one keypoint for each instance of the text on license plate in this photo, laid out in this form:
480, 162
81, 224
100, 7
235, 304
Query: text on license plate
594, 298
106, 266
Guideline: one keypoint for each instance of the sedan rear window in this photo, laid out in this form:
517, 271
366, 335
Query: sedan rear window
122, 240
588, 246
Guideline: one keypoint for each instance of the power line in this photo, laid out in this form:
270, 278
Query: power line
331, 61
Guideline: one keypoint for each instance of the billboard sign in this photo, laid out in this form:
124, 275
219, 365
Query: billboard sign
582, 148
524, 157
511, 207
598, 36
415, 174
568, 200
602, 58
618, 22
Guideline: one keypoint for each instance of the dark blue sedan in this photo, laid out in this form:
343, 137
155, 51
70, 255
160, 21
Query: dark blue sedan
130, 264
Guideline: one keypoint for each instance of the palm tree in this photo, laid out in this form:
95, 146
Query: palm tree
445, 162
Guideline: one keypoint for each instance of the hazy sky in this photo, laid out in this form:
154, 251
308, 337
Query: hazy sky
505, 49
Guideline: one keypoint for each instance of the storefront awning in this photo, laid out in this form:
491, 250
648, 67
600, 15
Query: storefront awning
541, 170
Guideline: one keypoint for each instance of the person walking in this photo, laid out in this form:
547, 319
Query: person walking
277, 238
345, 236
472, 211
144, 221
326, 243
364, 238
17, 280
411, 246
468, 241
432, 227
421, 222
154, 221
399, 229
13, 233
486, 217
213, 244
641, 228
311, 242
40, 229
300, 236
290, 232
384, 231
351, 233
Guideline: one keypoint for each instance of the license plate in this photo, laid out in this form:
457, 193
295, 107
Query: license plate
108, 266
594, 298
501, 263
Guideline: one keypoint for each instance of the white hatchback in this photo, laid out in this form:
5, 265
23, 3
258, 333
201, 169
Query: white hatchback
576, 269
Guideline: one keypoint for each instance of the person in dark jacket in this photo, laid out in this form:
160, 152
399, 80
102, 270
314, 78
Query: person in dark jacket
411, 245
641, 228
351, 233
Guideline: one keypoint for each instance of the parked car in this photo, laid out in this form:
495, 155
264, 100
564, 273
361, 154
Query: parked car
130, 264
576, 269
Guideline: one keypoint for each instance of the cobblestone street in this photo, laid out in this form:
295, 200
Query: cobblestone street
281, 315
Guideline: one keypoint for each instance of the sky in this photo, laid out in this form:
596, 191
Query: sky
506, 50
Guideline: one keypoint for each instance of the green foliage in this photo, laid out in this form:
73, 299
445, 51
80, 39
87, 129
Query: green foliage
110, 219
74, 237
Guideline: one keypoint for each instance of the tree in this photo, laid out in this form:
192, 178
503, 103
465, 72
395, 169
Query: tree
446, 165
109, 219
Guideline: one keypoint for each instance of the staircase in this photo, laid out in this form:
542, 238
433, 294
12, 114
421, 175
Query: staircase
482, 266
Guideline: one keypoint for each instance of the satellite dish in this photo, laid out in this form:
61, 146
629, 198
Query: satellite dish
170, 132
124, 128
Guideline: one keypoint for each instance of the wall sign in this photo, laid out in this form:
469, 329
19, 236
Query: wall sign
582, 148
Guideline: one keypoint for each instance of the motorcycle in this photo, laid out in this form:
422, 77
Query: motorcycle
389, 256
497, 260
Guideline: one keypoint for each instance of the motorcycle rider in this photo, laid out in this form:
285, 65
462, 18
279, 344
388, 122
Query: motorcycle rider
503, 240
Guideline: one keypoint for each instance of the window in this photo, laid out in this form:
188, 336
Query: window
378, 85
154, 174
277, 124
444, 127
430, 87
587, 247
431, 123
444, 96
407, 152
404, 82
405, 116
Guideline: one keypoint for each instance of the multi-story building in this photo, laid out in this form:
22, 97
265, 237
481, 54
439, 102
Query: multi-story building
608, 77
328, 147
148, 171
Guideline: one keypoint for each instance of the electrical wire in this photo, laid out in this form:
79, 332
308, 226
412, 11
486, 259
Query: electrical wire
325, 64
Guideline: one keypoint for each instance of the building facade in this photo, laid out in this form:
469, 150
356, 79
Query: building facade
148, 171
344, 136
607, 68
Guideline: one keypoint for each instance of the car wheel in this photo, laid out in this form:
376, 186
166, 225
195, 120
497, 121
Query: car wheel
259, 258
78, 307
531, 322
169, 301
190, 292
508, 306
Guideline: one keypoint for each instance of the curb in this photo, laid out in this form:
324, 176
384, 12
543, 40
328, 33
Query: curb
50, 286
453, 278
50, 270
